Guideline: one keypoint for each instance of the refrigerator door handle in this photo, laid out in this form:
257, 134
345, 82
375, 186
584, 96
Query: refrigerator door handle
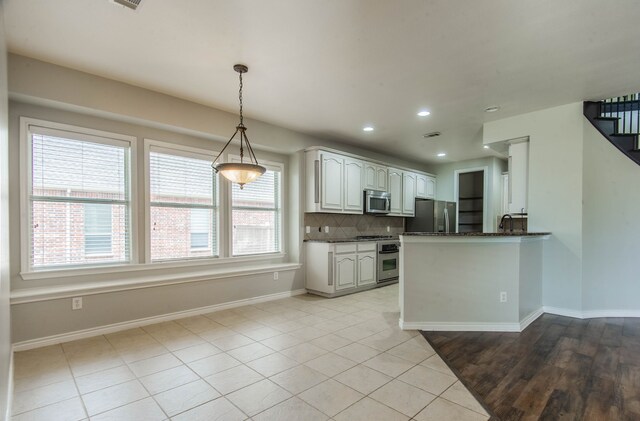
446, 220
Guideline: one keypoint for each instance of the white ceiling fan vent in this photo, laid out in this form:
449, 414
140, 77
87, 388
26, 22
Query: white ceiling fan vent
131, 4
432, 134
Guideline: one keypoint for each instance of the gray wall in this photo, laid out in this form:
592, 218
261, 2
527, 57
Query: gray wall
5, 320
49, 92
611, 230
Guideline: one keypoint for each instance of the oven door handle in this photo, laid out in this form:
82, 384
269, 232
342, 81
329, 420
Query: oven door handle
388, 252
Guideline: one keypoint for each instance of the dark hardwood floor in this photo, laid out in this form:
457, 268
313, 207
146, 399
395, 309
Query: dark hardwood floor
559, 368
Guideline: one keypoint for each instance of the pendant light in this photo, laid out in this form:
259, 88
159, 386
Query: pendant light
242, 172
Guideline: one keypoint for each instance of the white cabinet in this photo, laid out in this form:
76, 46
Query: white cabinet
353, 190
333, 183
518, 176
345, 272
339, 268
408, 193
331, 180
395, 188
375, 177
366, 268
425, 186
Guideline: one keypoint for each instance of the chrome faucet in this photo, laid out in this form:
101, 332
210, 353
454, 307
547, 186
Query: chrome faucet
501, 226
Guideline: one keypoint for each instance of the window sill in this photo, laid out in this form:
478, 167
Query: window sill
28, 295
124, 268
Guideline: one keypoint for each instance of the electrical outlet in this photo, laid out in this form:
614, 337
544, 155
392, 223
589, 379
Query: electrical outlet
307, 229
503, 296
388, 228
276, 276
326, 229
76, 303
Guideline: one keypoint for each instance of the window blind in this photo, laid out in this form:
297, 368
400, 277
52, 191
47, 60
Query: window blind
183, 205
256, 215
79, 200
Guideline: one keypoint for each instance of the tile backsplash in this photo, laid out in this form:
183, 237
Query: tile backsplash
349, 226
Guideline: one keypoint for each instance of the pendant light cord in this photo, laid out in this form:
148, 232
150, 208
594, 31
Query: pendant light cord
240, 98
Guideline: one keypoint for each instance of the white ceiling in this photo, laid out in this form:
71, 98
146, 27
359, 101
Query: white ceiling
330, 67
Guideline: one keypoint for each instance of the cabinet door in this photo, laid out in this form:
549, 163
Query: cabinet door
345, 271
408, 194
518, 176
421, 186
353, 191
431, 188
395, 188
381, 183
332, 182
370, 176
366, 268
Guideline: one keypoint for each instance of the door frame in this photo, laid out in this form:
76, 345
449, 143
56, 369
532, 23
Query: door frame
485, 192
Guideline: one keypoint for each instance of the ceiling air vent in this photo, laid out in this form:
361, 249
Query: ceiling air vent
131, 4
432, 134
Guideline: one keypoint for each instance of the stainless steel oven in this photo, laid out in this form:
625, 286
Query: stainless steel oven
377, 202
388, 261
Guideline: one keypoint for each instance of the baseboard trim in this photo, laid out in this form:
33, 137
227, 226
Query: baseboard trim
9, 396
116, 327
530, 318
590, 314
460, 327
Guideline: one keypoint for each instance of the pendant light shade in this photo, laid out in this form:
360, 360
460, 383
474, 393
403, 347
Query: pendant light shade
240, 172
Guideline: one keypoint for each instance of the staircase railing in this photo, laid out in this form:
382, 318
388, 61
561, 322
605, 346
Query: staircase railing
626, 109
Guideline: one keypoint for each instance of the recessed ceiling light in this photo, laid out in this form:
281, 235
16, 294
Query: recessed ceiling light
367, 129
486, 146
423, 113
491, 109
441, 154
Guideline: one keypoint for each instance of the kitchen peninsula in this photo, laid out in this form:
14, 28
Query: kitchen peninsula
470, 281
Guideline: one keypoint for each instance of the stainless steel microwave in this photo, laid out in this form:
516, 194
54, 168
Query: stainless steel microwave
377, 202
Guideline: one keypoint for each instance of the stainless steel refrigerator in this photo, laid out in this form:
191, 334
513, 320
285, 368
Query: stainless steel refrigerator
433, 216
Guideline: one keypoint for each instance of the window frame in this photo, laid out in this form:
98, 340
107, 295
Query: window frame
26, 172
181, 150
269, 165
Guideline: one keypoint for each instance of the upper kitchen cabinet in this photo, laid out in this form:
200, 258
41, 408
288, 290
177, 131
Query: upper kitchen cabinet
518, 180
353, 189
395, 188
425, 186
333, 182
375, 177
409, 193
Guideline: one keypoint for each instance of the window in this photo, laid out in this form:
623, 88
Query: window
183, 204
79, 202
256, 215
97, 229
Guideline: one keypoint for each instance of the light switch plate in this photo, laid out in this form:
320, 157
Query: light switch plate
307, 229
326, 229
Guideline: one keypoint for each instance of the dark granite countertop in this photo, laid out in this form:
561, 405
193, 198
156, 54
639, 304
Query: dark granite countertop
349, 240
477, 234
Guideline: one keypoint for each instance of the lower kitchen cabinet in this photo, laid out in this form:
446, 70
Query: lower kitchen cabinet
340, 268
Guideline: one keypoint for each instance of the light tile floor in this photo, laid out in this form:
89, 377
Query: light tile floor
300, 358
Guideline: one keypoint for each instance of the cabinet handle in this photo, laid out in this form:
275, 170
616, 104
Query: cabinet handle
330, 268
316, 170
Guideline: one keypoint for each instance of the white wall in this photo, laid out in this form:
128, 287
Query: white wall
583, 190
610, 226
555, 193
5, 318
445, 184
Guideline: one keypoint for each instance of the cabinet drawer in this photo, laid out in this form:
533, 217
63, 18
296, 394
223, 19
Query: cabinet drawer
345, 248
367, 246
